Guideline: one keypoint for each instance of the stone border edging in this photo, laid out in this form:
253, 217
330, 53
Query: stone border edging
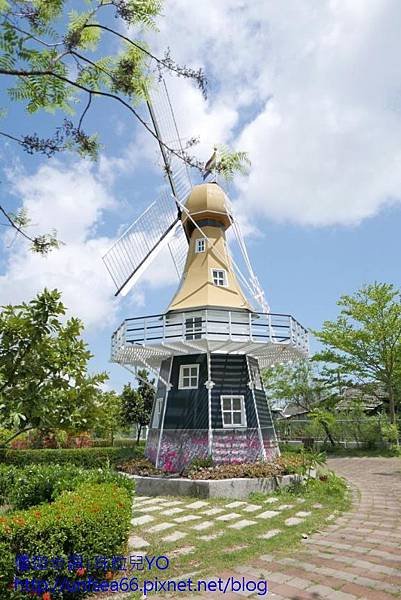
235, 488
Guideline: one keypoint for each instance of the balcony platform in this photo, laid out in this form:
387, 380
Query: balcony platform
270, 338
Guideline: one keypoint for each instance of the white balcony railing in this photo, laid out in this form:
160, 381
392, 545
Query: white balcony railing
212, 325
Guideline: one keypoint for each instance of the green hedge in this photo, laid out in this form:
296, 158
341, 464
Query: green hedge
92, 521
27, 486
82, 457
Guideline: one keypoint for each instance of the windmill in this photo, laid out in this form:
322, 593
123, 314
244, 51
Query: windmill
208, 347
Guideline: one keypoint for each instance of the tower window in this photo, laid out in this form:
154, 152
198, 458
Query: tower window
233, 411
193, 328
219, 277
200, 245
157, 413
189, 377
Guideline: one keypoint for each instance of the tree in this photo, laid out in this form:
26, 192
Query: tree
57, 60
295, 383
44, 381
137, 403
110, 417
364, 343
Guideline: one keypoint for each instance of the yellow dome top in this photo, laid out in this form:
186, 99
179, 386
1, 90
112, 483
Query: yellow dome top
207, 201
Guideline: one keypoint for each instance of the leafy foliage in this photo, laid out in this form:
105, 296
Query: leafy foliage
43, 369
34, 484
81, 457
137, 403
93, 520
364, 343
230, 163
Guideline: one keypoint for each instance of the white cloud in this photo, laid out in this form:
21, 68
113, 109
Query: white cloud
72, 198
317, 89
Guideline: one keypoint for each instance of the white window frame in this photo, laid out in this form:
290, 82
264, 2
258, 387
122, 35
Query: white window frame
216, 278
157, 412
200, 245
242, 411
182, 376
193, 327
256, 377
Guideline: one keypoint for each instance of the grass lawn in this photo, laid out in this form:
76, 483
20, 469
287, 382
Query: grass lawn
198, 540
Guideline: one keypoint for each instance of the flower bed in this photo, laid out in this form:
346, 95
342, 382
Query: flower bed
92, 521
204, 469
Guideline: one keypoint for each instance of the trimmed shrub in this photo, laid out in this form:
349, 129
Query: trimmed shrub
139, 466
82, 457
92, 521
34, 484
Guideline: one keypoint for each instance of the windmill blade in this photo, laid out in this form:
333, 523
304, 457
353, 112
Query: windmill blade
139, 245
164, 122
178, 247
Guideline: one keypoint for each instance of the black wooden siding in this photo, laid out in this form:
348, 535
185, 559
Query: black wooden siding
161, 388
229, 374
260, 398
187, 409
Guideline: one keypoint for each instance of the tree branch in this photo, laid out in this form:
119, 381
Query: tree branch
37, 73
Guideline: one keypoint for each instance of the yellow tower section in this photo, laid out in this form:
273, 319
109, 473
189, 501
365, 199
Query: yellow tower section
208, 279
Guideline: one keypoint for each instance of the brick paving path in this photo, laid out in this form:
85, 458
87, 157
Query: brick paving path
359, 556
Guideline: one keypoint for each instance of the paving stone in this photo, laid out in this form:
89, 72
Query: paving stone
212, 511
182, 551
168, 503
268, 514
142, 520
137, 543
285, 507
161, 527
300, 500
241, 524
270, 534
148, 509
271, 500
317, 505
228, 517
293, 521
204, 525
211, 536
251, 508
303, 513
197, 504
187, 518
174, 537
172, 511
235, 504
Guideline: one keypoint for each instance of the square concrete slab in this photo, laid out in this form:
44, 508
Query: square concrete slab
270, 534
241, 524
187, 518
142, 520
271, 500
174, 537
228, 517
172, 511
211, 536
235, 504
268, 514
251, 508
204, 525
137, 543
198, 504
212, 511
161, 527
285, 507
303, 513
148, 509
293, 521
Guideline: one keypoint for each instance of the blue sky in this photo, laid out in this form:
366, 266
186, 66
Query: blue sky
310, 91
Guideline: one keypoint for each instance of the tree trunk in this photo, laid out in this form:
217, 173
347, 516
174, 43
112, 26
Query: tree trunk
10, 439
327, 431
138, 437
391, 404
